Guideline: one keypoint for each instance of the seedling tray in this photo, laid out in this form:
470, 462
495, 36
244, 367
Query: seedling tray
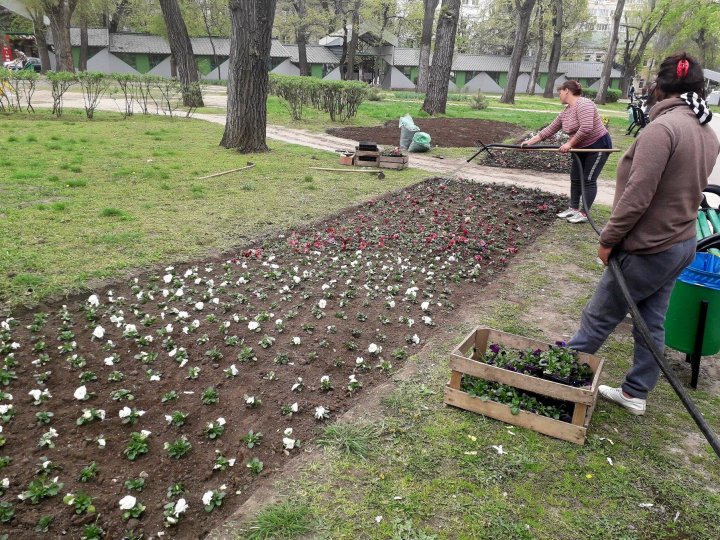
463, 360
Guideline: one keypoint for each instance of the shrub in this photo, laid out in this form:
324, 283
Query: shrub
340, 99
612, 94
94, 84
479, 102
60, 82
374, 94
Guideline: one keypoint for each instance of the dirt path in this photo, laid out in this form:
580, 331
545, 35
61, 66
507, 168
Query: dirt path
551, 182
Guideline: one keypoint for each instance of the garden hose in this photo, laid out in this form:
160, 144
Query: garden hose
638, 321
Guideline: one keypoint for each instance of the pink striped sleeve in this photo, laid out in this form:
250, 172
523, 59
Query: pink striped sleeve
553, 128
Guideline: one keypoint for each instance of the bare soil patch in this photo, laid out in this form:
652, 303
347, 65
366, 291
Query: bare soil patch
445, 132
374, 282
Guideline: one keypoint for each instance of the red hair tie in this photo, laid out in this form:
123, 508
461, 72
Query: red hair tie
682, 68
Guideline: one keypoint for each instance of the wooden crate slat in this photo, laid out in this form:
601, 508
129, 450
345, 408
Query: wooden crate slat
520, 380
541, 424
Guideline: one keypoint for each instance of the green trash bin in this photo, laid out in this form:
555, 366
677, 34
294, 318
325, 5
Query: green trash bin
698, 282
692, 324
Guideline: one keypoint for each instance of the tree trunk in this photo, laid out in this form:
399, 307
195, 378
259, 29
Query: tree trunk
60, 14
343, 56
555, 50
43, 49
116, 18
208, 31
40, 39
82, 63
302, 53
524, 13
438, 82
354, 38
181, 49
610, 58
252, 22
425, 44
301, 37
539, 53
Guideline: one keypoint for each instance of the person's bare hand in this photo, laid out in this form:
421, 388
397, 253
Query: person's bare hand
565, 148
604, 254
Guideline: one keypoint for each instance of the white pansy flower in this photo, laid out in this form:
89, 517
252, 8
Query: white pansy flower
93, 300
220, 421
127, 502
180, 507
167, 278
416, 339
145, 433
80, 393
179, 292
125, 412
296, 340
253, 325
199, 306
288, 431
207, 497
425, 306
373, 348
99, 332
294, 407
322, 303
288, 443
109, 361
321, 412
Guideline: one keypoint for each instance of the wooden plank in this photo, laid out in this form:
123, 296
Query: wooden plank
396, 166
520, 380
548, 426
464, 347
455, 379
579, 414
482, 337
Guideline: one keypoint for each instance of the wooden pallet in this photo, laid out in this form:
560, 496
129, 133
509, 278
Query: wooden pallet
393, 162
462, 361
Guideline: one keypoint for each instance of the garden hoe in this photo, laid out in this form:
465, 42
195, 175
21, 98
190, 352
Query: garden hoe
638, 321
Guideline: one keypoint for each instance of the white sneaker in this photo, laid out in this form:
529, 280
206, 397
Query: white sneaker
567, 213
635, 406
578, 217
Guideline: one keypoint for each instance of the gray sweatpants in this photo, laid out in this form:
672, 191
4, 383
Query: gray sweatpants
650, 279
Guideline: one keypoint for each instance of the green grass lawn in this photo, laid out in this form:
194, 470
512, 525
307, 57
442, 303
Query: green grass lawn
83, 200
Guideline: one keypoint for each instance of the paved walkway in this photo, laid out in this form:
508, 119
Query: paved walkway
551, 182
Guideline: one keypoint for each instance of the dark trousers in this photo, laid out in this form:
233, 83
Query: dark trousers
592, 164
651, 279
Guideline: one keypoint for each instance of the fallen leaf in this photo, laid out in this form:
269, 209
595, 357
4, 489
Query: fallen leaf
610, 461
499, 449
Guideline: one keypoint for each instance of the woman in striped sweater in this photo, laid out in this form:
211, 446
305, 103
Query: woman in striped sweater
581, 121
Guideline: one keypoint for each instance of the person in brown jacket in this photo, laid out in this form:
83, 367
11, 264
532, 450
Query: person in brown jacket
651, 231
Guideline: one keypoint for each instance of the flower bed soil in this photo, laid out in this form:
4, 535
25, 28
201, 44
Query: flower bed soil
535, 161
445, 132
385, 273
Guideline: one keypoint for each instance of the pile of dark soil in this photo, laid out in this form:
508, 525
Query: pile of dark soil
445, 132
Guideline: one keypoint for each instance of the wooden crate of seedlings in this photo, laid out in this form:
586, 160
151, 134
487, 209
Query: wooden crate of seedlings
539, 382
393, 159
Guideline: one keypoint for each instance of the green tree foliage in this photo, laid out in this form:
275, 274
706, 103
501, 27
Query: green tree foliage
692, 26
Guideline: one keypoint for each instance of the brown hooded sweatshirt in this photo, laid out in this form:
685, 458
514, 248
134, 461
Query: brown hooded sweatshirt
660, 180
